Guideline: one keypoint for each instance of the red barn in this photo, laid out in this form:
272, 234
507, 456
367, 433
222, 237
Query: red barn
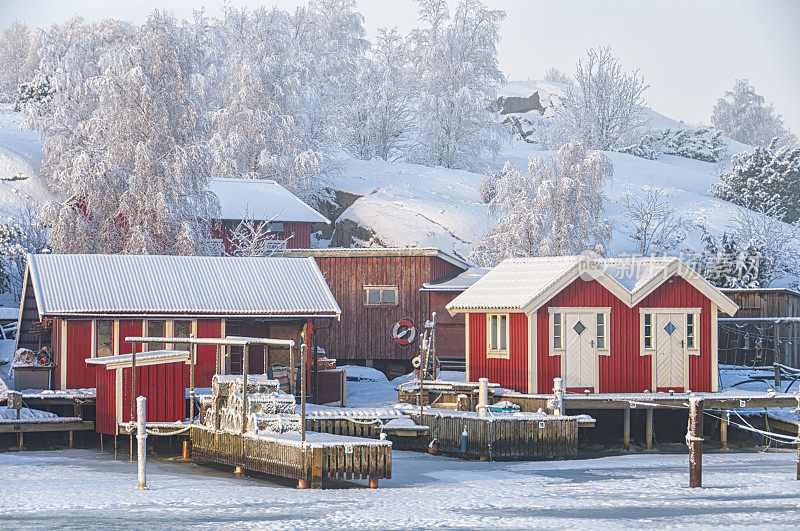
91, 303
377, 288
603, 325
261, 200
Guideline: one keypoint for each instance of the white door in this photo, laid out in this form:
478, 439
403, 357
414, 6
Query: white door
670, 355
579, 356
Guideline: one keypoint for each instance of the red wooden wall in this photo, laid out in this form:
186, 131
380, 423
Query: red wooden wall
511, 373
365, 332
162, 384
450, 340
300, 229
79, 347
129, 328
55, 342
625, 370
206, 354
105, 411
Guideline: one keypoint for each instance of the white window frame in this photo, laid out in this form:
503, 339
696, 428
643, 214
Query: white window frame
501, 353
606, 350
556, 351
644, 350
94, 337
148, 334
171, 331
369, 288
694, 350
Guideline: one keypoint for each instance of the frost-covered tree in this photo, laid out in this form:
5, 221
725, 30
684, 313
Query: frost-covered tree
743, 115
700, 144
755, 251
555, 210
605, 110
253, 237
455, 63
652, 222
554, 75
20, 235
259, 127
766, 180
18, 59
378, 117
124, 139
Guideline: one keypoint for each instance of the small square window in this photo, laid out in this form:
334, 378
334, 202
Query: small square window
181, 329
156, 329
381, 295
498, 333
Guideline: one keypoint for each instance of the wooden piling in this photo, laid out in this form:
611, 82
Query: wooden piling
694, 439
626, 428
723, 429
648, 434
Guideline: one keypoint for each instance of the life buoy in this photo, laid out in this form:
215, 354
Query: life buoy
404, 332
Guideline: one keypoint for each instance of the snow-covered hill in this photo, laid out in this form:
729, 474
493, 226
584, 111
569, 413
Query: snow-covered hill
21, 156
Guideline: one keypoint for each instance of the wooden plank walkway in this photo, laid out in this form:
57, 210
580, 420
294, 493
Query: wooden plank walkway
322, 458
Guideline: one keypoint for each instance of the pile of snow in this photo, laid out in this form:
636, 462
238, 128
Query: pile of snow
358, 373
25, 413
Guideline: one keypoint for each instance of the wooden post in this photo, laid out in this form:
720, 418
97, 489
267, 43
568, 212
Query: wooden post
723, 429
192, 360
266, 359
373, 482
218, 364
694, 438
141, 437
245, 374
185, 450
303, 355
777, 376
133, 394
798, 437
291, 371
626, 428
648, 434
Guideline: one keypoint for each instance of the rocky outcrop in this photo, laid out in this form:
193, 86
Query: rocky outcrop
337, 202
516, 104
349, 233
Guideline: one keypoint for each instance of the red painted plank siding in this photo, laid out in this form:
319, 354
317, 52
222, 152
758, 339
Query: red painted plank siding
206, 354
79, 347
55, 342
625, 370
105, 418
129, 328
162, 384
511, 373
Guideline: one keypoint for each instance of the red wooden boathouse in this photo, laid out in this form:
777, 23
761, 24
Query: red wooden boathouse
91, 303
260, 200
603, 325
377, 288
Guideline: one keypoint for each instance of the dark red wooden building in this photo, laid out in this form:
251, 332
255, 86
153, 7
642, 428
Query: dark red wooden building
260, 200
603, 325
89, 304
376, 289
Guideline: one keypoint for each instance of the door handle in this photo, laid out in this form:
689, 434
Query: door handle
682, 344
592, 343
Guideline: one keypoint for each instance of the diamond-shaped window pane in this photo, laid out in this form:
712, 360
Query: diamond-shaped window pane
579, 328
669, 328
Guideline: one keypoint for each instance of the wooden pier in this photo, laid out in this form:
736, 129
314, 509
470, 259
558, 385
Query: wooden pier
321, 458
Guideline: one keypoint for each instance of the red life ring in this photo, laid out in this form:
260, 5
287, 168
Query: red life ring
404, 332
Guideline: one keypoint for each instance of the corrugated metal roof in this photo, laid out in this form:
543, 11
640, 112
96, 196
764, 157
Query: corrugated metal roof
527, 283
379, 251
261, 199
82, 284
459, 282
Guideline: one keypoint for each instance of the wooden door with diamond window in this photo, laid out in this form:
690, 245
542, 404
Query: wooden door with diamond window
579, 366
670, 358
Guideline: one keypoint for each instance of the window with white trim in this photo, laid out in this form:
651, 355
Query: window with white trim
648, 331
498, 334
156, 329
602, 331
692, 340
557, 319
181, 329
380, 295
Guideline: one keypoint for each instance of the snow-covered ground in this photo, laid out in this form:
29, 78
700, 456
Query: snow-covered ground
88, 489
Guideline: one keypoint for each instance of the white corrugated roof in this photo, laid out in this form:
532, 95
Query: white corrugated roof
96, 284
459, 282
527, 283
261, 199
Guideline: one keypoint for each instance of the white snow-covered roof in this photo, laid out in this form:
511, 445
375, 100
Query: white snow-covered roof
379, 251
152, 357
525, 284
261, 199
96, 284
459, 282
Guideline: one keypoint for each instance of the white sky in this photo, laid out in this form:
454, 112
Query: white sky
689, 51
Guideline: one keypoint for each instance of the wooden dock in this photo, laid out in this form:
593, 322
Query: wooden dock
322, 458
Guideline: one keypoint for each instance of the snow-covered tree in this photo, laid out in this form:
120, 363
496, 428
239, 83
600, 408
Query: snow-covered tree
253, 237
455, 63
259, 127
123, 139
556, 210
604, 111
652, 222
18, 59
554, 75
700, 144
378, 117
766, 180
743, 115
20, 235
